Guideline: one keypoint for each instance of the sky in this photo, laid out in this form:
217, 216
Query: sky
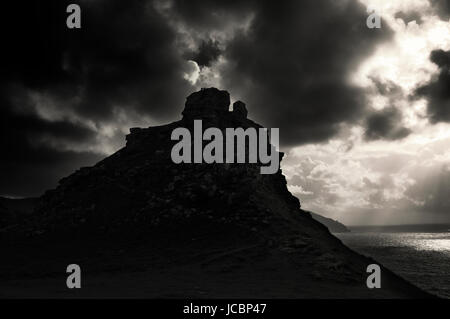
364, 114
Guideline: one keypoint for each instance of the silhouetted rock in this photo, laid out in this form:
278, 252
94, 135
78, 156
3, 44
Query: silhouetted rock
140, 184
223, 228
240, 109
206, 103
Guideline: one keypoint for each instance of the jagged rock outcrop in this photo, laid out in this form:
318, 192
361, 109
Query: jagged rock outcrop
240, 109
141, 185
206, 103
198, 230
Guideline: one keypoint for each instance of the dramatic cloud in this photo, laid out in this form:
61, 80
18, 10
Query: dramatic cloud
68, 96
208, 52
442, 8
374, 183
29, 163
292, 67
78, 91
409, 16
437, 91
385, 124
365, 175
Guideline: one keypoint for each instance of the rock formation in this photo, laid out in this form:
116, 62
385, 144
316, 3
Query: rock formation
188, 230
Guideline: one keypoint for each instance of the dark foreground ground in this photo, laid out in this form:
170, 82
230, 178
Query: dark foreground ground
213, 262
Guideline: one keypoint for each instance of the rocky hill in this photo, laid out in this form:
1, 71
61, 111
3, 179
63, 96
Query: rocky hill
140, 225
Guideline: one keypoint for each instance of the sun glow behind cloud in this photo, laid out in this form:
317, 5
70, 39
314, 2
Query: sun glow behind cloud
379, 182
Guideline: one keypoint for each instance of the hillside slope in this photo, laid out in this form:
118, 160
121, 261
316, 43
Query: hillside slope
141, 226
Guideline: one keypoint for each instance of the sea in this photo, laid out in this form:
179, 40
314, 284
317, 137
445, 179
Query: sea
418, 253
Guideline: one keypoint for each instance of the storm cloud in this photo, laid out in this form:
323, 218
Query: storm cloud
385, 124
207, 53
62, 88
293, 66
442, 8
437, 92
68, 96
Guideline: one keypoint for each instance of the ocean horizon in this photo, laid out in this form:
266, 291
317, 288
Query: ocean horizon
399, 228
419, 253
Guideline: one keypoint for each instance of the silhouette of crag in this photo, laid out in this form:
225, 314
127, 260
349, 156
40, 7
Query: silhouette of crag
225, 229
141, 186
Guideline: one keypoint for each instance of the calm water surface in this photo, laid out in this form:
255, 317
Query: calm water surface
420, 254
